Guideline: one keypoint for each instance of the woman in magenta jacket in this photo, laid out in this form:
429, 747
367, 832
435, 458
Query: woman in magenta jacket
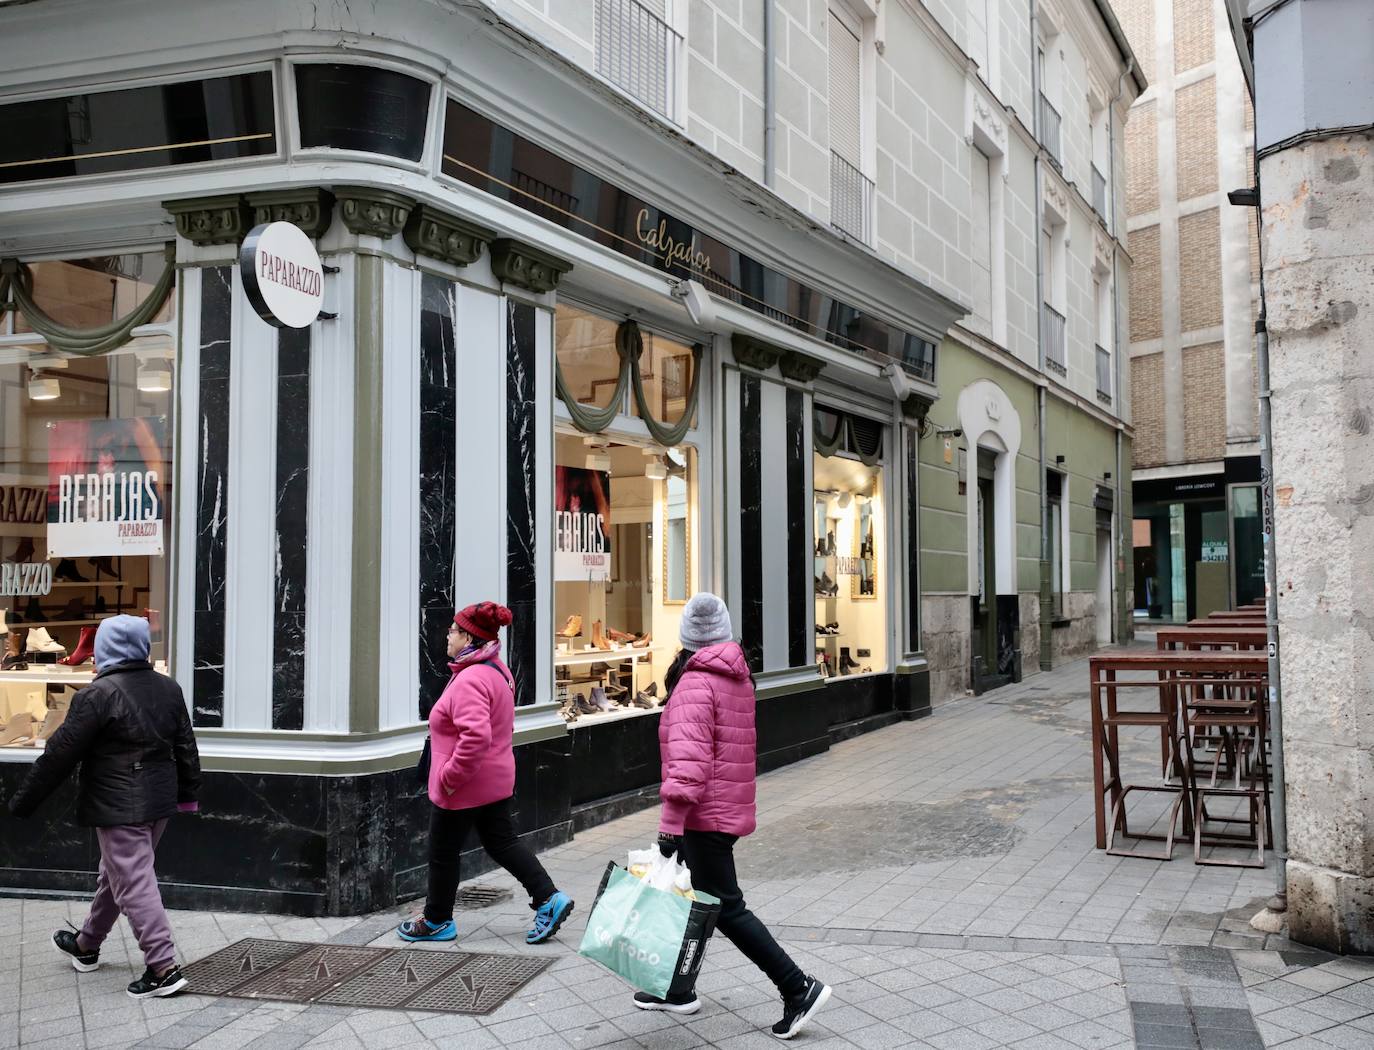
472, 779
706, 737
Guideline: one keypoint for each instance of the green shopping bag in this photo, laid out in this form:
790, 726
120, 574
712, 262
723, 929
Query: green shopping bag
653, 938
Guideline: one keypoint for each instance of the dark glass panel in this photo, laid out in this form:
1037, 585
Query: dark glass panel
361, 108
130, 129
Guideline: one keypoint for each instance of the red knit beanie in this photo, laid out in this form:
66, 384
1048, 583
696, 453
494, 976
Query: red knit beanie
483, 620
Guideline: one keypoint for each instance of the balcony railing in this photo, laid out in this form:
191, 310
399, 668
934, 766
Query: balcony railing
638, 52
1104, 375
851, 199
1049, 130
1052, 336
1099, 193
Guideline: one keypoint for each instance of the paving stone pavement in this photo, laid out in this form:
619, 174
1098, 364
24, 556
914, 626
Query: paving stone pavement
939, 874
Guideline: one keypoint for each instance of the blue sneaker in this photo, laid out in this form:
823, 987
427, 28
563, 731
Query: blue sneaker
549, 917
422, 929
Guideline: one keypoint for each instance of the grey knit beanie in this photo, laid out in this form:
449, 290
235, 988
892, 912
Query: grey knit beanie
705, 622
121, 640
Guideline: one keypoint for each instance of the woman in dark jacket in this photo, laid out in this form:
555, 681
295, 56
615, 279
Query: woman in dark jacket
131, 735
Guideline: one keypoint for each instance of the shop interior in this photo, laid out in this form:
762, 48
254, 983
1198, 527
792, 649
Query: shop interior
51, 601
850, 548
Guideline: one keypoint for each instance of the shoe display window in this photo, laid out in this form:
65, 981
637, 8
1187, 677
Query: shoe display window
625, 512
849, 558
86, 479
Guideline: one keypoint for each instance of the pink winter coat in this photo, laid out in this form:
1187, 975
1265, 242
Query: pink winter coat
471, 758
706, 738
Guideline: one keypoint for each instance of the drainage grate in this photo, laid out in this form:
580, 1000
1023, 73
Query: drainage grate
345, 975
475, 898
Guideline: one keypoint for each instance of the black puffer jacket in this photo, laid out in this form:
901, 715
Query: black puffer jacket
130, 732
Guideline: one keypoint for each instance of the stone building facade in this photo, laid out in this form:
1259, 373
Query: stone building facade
1194, 299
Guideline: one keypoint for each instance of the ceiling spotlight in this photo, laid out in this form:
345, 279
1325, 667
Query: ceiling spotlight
655, 470
155, 376
44, 387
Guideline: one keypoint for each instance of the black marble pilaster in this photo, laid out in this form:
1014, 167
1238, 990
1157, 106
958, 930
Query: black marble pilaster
212, 496
799, 560
521, 534
913, 543
438, 465
293, 478
751, 519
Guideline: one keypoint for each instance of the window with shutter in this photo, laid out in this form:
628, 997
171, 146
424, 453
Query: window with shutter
981, 207
845, 118
636, 49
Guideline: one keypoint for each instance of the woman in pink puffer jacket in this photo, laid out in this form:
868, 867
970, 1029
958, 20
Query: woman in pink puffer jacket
709, 750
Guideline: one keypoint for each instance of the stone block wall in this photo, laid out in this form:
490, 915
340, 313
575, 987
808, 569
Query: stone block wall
946, 637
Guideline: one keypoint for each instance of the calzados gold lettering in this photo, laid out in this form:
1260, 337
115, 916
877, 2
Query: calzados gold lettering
672, 250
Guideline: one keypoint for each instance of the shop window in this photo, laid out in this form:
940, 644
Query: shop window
588, 361
1054, 484
850, 545
1248, 544
130, 129
362, 108
624, 566
86, 485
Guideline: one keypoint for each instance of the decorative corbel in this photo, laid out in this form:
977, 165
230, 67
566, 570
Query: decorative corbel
915, 408
526, 266
754, 353
445, 237
311, 208
211, 220
800, 367
373, 212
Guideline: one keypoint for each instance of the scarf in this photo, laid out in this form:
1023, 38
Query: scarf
476, 654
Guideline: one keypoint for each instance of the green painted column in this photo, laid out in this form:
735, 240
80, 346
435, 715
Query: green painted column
364, 669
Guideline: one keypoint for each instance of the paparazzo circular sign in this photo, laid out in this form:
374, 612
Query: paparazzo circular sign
282, 274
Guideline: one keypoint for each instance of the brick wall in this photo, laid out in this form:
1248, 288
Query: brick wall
1147, 408
1199, 271
1138, 20
1194, 34
1142, 160
1195, 138
1204, 402
1146, 303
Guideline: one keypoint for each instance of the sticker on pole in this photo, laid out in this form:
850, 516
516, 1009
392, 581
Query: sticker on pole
282, 274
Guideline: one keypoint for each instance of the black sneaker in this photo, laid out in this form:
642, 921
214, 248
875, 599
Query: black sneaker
688, 1004
82, 962
150, 986
796, 1012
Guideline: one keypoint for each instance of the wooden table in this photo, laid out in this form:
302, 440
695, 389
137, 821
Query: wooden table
1229, 621
1172, 670
1211, 636
1233, 614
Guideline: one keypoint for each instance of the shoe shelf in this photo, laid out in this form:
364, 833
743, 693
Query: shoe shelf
88, 583
616, 714
52, 674
27, 624
588, 657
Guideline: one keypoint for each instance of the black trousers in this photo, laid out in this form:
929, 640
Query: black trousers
710, 857
448, 830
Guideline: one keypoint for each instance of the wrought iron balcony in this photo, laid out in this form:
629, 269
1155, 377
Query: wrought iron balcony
1052, 336
1099, 193
1104, 375
851, 199
638, 52
1049, 130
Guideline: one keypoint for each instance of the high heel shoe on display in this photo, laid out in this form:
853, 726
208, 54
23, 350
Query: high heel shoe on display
56, 714
600, 700
66, 572
22, 553
104, 565
847, 666
73, 610
39, 641
572, 628
19, 728
644, 700
100, 606
643, 643
85, 649
33, 612
619, 636
14, 653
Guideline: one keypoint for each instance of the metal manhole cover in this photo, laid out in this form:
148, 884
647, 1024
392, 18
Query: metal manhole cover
345, 975
474, 898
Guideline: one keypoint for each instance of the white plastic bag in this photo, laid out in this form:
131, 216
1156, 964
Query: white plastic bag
662, 873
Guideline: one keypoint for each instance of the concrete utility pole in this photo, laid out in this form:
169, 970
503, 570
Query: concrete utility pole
1309, 65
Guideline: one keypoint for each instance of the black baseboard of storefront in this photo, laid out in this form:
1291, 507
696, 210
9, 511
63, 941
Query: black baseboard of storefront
853, 699
860, 726
591, 814
613, 757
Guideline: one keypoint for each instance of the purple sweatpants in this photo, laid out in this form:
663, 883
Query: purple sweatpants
128, 884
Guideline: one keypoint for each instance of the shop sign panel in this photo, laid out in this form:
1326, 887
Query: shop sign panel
282, 275
106, 487
582, 516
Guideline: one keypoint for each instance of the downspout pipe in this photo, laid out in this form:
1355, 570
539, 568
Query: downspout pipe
1122, 631
770, 117
1046, 587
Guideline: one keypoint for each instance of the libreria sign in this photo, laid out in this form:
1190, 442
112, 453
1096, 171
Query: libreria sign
282, 274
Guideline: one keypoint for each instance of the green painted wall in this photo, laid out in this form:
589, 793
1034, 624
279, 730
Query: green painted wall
1089, 451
